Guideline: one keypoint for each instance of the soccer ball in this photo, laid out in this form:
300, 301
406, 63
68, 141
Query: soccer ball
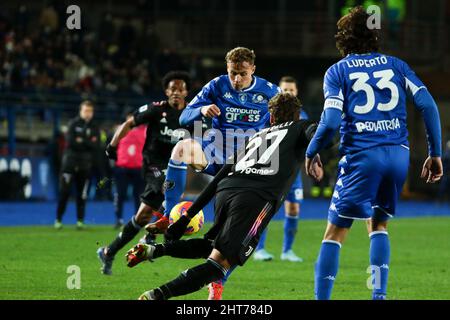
196, 222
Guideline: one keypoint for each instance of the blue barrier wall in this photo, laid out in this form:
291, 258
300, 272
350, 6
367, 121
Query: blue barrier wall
43, 213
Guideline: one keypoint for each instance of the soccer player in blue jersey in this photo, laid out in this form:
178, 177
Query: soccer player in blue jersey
365, 96
238, 105
293, 201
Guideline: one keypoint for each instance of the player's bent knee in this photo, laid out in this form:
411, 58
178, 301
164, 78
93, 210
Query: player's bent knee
179, 150
219, 258
292, 209
189, 151
335, 233
374, 225
144, 214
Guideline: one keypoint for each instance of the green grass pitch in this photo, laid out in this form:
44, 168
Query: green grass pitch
34, 262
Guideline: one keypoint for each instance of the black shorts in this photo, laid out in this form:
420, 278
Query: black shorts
153, 194
240, 218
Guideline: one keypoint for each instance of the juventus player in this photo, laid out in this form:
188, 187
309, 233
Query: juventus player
248, 194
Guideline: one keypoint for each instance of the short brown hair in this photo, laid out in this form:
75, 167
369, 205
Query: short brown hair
88, 103
289, 79
240, 55
284, 107
353, 35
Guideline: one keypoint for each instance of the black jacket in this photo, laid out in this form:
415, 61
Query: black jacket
83, 141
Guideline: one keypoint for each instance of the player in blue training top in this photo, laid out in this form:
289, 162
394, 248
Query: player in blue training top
365, 96
238, 105
293, 200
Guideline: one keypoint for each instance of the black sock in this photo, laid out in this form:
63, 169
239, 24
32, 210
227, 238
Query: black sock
130, 230
191, 280
187, 249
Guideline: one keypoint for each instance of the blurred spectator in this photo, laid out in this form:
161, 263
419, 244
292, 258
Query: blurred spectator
49, 19
41, 56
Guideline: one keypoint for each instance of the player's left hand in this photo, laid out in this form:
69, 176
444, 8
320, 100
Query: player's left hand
314, 167
432, 169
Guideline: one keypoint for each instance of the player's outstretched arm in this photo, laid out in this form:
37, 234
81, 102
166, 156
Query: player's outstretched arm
425, 103
329, 123
432, 169
122, 131
177, 229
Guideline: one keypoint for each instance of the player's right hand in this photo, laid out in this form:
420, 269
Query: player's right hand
432, 169
177, 229
111, 152
210, 111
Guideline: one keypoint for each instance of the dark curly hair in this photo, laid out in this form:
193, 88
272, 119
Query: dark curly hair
176, 75
353, 35
284, 107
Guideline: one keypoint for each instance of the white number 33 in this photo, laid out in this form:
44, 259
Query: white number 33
384, 83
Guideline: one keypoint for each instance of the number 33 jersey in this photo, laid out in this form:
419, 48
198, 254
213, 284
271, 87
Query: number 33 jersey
271, 159
370, 90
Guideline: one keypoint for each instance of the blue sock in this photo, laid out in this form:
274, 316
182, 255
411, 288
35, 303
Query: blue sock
326, 269
174, 184
379, 260
262, 240
290, 229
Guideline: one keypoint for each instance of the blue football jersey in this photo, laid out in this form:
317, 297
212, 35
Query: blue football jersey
239, 110
371, 91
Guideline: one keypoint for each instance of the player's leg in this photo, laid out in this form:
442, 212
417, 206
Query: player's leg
241, 233
151, 198
185, 152
82, 184
292, 211
65, 184
120, 194
195, 248
192, 279
131, 229
379, 254
327, 264
138, 187
357, 183
187, 249
395, 168
261, 253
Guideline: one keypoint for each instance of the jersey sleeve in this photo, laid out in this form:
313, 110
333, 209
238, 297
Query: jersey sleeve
307, 130
272, 90
332, 89
192, 112
329, 123
424, 102
412, 82
145, 114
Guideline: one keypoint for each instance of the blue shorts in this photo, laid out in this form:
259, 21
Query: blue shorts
368, 185
296, 192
